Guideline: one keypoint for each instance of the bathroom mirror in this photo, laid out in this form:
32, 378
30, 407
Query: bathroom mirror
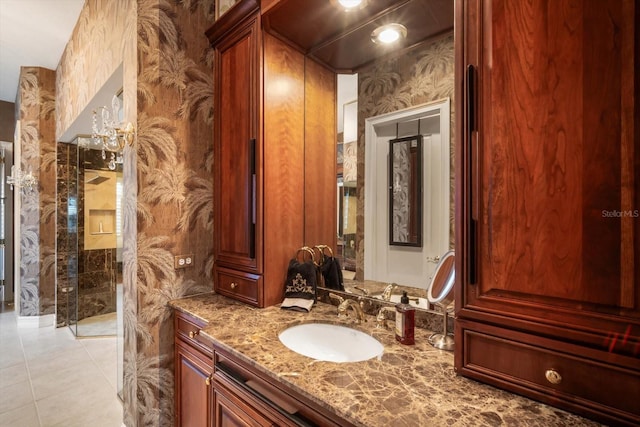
364, 251
390, 99
440, 291
405, 191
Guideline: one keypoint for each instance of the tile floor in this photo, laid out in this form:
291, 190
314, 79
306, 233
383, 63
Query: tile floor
49, 378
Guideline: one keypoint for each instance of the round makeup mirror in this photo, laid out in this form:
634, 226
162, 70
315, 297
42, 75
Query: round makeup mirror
440, 293
440, 290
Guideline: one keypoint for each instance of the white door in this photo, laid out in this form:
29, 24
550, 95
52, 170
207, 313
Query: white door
410, 266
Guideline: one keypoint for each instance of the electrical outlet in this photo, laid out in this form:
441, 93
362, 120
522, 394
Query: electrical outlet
182, 261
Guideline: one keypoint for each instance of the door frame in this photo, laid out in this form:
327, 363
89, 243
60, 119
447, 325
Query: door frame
371, 199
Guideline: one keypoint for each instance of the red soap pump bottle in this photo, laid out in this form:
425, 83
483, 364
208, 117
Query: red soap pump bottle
405, 321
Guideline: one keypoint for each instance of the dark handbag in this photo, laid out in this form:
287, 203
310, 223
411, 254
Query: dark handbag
330, 270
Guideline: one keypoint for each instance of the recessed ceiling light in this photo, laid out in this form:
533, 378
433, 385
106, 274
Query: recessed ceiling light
350, 4
389, 33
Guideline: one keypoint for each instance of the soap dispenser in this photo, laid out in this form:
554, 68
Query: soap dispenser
405, 321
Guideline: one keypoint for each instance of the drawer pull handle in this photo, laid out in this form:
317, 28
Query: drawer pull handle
553, 376
192, 334
207, 381
291, 413
234, 285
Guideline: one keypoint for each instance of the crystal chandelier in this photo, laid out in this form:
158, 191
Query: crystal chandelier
112, 133
22, 180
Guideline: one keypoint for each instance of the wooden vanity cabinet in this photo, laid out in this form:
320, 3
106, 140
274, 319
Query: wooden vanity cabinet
193, 373
241, 396
548, 200
274, 156
215, 389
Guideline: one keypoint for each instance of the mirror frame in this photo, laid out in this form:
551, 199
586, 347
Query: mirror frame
413, 192
447, 296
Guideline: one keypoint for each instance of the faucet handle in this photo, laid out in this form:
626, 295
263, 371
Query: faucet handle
381, 319
336, 297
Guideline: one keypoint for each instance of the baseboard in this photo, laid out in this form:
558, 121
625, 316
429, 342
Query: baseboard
36, 321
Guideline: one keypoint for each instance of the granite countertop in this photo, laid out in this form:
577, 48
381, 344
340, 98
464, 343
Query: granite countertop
410, 386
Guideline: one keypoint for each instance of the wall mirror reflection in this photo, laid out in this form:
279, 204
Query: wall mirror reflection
372, 256
405, 191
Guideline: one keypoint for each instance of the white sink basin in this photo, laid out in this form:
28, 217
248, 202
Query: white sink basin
331, 343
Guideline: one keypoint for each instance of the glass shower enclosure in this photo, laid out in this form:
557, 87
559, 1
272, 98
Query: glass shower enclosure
94, 243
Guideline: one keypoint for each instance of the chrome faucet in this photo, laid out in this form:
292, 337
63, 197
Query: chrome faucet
386, 294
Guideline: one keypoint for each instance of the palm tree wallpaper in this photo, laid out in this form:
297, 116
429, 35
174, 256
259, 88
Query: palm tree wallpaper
36, 104
422, 75
174, 208
168, 189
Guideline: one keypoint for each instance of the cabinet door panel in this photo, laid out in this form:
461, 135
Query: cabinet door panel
193, 377
556, 164
236, 139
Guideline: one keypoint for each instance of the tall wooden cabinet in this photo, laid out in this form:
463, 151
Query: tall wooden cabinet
548, 201
274, 127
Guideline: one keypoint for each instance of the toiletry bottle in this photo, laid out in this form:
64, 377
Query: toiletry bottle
405, 321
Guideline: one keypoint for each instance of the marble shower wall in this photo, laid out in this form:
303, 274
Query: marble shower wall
424, 74
97, 268
36, 106
66, 232
86, 279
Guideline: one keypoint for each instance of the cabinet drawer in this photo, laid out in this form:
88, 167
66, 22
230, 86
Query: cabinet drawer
274, 401
238, 285
188, 329
530, 366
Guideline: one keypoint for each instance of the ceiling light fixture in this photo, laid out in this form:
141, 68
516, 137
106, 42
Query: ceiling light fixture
389, 33
348, 5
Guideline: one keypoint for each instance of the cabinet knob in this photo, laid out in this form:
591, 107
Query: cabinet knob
234, 285
553, 376
207, 381
192, 334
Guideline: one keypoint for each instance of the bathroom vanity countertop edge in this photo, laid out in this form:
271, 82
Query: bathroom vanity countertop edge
409, 386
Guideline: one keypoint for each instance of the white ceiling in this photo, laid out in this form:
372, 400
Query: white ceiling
33, 33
